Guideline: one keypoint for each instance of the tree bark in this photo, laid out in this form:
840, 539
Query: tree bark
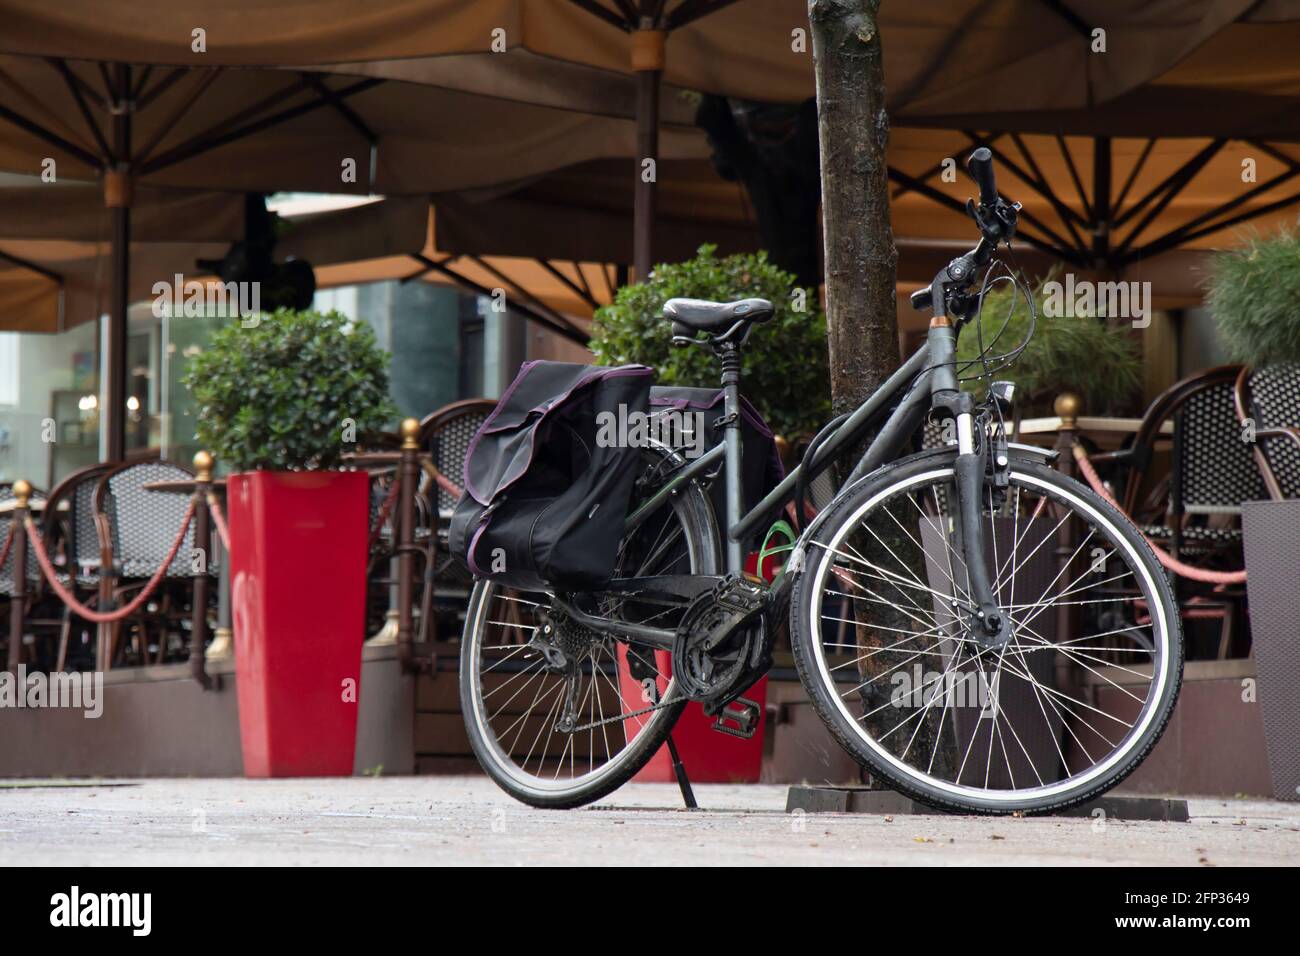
853, 128
862, 328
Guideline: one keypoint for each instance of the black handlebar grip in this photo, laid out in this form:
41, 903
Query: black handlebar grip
980, 167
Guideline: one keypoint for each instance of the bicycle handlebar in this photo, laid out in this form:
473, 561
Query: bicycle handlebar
980, 167
996, 218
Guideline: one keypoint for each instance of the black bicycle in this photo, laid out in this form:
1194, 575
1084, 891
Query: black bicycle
975, 628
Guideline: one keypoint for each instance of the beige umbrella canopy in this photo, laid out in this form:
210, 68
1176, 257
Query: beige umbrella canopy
52, 285
943, 57
1027, 54
1221, 194
74, 211
950, 63
265, 130
507, 239
272, 130
54, 249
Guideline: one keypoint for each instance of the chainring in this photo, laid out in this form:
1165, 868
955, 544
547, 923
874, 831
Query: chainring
722, 644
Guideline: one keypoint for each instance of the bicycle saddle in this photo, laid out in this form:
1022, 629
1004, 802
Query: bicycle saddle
722, 320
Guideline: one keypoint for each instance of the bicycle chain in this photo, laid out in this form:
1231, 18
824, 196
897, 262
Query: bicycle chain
612, 720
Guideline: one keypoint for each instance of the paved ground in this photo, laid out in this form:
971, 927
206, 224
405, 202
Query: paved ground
430, 820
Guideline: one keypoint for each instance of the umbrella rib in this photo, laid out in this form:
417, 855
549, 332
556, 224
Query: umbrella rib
51, 137
181, 109
347, 112
75, 87
606, 14
206, 141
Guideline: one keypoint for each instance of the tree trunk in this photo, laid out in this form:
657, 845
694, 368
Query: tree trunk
862, 328
862, 320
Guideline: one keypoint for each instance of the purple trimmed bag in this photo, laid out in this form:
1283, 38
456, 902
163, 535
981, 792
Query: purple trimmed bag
760, 464
544, 503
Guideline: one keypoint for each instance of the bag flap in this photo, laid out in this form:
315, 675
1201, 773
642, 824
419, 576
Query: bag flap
502, 448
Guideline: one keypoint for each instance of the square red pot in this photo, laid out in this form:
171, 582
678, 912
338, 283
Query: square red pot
298, 588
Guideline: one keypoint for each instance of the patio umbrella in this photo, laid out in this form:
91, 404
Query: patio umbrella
755, 49
1024, 55
270, 130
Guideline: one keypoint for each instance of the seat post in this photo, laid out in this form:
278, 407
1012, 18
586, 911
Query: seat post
729, 353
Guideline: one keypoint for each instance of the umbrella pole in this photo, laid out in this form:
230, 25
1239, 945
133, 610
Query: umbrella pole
117, 196
648, 64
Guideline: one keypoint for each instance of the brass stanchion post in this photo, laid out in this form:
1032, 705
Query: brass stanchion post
18, 551
199, 568
408, 476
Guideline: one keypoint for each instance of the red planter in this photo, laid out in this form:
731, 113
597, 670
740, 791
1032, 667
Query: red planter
298, 590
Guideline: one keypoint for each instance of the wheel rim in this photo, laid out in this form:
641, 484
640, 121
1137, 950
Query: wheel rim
932, 700
614, 706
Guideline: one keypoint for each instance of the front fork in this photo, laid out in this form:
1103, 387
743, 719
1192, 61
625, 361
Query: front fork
989, 626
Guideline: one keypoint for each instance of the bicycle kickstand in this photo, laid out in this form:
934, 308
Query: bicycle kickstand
683, 781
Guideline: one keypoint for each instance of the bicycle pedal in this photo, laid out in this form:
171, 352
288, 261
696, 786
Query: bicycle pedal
743, 713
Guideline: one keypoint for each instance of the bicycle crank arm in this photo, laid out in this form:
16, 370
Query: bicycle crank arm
991, 628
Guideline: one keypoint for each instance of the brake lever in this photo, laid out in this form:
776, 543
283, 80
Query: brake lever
998, 223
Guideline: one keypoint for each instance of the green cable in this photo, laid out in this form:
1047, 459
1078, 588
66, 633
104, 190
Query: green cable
782, 527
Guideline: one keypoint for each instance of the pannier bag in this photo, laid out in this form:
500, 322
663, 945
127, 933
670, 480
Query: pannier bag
760, 464
544, 503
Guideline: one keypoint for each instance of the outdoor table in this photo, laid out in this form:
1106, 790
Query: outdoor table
221, 647
35, 504
1108, 433
182, 486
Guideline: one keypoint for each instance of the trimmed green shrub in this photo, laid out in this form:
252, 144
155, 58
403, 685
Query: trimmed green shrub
291, 392
785, 372
1254, 295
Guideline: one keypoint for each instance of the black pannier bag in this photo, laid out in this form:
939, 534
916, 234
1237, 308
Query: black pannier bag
544, 504
760, 464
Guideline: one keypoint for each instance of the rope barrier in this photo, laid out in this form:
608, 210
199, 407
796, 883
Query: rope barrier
446, 484
1165, 558
82, 611
4, 552
384, 510
219, 519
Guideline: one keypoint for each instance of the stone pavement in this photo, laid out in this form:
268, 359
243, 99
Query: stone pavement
467, 820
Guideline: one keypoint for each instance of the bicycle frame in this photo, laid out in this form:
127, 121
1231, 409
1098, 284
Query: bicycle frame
916, 400
927, 380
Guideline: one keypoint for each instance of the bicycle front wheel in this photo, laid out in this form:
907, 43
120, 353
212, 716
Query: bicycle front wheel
881, 623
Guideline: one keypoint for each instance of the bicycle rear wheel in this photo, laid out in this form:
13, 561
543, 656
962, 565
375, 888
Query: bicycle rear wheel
881, 628
558, 714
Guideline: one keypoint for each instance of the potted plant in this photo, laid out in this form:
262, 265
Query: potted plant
280, 399
1254, 295
1085, 355
785, 371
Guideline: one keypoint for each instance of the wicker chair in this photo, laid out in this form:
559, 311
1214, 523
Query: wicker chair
446, 434
1269, 399
68, 527
136, 528
1195, 514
